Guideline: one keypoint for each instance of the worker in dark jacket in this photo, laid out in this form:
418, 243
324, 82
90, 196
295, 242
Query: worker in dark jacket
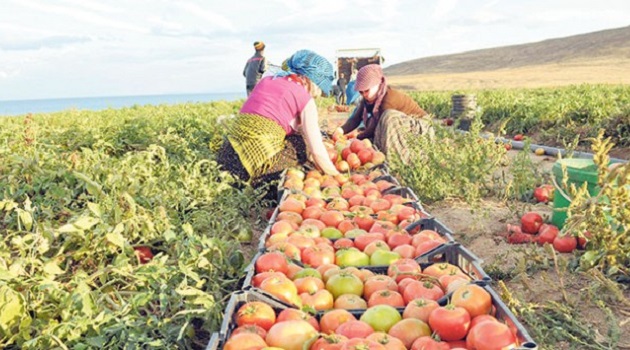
388, 115
255, 67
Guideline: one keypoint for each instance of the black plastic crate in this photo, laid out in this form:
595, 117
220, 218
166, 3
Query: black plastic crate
431, 224
506, 316
452, 253
406, 192
237, 299
389, 178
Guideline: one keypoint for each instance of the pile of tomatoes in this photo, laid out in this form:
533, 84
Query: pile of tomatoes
341, 260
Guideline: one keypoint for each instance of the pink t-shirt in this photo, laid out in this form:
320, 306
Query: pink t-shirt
278, 99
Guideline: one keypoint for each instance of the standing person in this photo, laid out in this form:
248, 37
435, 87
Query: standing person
278, 126
341, 83
389, 115
255, 67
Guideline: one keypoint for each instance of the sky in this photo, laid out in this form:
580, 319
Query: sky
83, 48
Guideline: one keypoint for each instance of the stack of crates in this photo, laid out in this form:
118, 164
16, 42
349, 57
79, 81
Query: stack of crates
446, 251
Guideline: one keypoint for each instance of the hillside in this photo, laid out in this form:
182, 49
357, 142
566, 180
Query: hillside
598, 57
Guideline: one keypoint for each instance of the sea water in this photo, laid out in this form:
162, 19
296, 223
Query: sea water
20, 107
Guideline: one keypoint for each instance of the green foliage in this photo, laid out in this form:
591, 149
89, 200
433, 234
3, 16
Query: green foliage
556, 115
452, 164
79, 190
605, 216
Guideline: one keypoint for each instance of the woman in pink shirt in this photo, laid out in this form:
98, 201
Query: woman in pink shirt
278, 126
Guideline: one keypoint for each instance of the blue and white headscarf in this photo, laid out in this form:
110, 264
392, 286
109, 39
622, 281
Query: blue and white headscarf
311, 65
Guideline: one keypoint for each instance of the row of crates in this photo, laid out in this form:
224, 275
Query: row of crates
450, 251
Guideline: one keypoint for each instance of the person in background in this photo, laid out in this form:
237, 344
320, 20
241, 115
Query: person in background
255, 67
352, 96
387, 114
277, 126
341, 83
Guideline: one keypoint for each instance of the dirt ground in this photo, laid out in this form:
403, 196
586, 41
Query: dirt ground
535, 276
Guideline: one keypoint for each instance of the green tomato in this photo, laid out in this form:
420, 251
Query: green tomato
307, 272
344, 283
383, 257
243, 234
381, 317
355, 232
351, 257
332, 233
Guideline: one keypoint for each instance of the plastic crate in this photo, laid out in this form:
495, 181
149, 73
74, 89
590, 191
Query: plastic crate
452, 253
456, 254
237, 299
506, 316
215, 342
431, 224
389, 178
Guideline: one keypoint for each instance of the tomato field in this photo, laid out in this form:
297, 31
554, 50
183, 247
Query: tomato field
120, 230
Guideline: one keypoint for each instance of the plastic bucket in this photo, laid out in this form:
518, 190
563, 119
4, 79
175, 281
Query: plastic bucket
579, 171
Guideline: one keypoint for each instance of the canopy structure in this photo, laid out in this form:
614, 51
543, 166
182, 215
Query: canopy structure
351, 60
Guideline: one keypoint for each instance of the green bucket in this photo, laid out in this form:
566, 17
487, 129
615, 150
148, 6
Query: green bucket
579, 171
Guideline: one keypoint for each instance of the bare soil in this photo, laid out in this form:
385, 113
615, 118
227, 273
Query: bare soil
534, 275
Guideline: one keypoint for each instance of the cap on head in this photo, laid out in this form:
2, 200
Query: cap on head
259, 45
368, 76
313, 66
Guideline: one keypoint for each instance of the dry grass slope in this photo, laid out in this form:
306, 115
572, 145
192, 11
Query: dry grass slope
599, 57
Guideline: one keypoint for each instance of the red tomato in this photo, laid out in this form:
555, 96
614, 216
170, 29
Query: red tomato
308, 284
476, 300
531, 222
543, 193
272, 261
332, 319
143, 253
362, 241
282, 288
518, 137
292, 205
296, 314
428, 343
490, 335
317, 256
250, 328
420, 309
291, 335
329, 342
349, 302
408, 330
565, 244
386, 297
356, 146
377, 283
320, 300
244, 341
354, 329
404, 268
427, 290
256, 313
546, 234
362, 344
390, 343
450, 322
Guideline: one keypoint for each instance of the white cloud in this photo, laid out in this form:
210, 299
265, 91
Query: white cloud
71, 48
443, 8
